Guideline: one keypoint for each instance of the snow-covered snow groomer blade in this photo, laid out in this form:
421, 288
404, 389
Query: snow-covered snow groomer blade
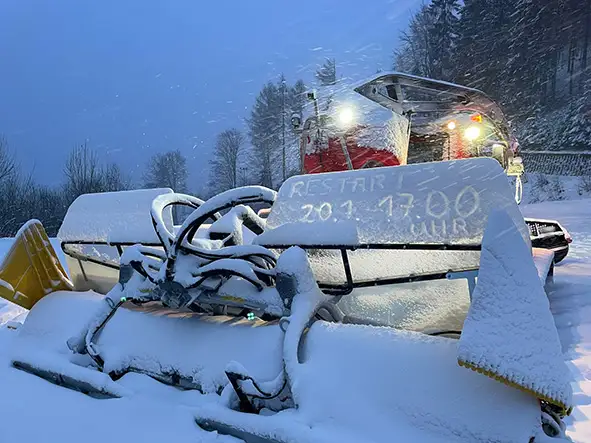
327, 321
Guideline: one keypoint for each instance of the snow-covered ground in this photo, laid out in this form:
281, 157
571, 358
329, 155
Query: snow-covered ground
570, 301
35, 410
544, 187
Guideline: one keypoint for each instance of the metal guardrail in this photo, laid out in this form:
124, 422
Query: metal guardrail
575, 163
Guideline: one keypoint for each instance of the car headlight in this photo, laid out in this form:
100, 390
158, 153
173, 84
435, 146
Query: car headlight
472, 133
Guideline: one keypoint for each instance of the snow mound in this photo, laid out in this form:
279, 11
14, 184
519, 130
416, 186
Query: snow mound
509, 333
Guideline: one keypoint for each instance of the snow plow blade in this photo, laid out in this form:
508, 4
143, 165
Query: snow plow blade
31, 269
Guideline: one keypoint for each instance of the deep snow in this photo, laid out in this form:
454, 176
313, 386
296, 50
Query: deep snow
52, 414
545, 187
570, 302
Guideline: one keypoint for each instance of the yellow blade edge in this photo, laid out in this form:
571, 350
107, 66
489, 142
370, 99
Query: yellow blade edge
31, 269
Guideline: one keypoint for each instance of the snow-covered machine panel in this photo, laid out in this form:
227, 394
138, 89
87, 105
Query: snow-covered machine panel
428, 203
113, 217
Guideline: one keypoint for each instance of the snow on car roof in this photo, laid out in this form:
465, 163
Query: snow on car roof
113, 217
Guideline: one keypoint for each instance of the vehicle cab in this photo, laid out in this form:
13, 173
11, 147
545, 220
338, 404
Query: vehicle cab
396, 119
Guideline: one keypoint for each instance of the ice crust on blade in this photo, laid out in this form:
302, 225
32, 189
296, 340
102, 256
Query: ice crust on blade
39, 411
60, 364
113, 217
509, 331
42, 341
61, 316
152, 338
352, 384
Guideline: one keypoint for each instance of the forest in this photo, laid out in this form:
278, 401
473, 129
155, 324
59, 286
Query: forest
530, 56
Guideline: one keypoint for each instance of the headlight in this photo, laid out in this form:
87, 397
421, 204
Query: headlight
451, 125
472, 133
346, 116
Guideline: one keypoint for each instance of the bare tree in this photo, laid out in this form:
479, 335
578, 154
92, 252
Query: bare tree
167, 170
243, 176
584, 185
49, 207
224, 172
23, 199
113, 179
7, 163
10, 196
415, 54
83, 172
264, 126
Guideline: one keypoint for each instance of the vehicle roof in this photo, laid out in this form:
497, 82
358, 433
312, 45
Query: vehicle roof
376, 110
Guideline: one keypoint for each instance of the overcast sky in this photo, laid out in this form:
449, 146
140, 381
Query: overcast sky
135, 77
